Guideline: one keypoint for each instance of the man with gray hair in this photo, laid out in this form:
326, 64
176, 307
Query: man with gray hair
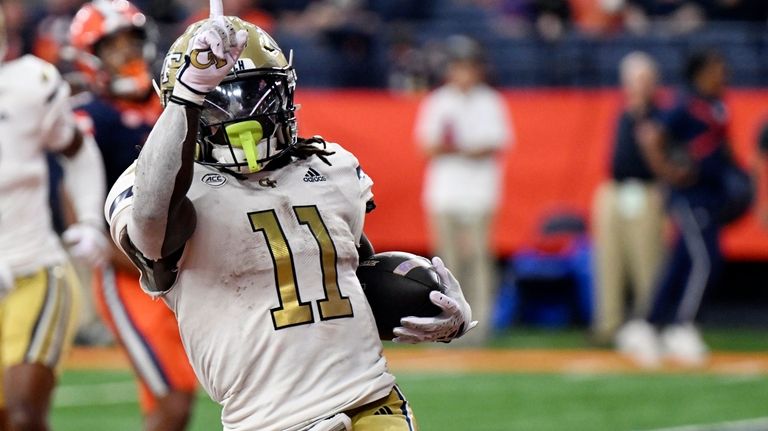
628, 208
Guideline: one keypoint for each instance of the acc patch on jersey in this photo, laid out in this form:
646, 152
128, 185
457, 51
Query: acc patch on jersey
214, 180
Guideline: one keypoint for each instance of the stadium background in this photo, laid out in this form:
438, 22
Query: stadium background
363, 68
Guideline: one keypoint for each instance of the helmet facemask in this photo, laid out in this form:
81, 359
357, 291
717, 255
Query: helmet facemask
248, 120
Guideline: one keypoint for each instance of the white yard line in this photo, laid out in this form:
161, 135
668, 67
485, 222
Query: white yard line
756, 424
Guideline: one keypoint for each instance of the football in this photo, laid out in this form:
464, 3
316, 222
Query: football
397, 285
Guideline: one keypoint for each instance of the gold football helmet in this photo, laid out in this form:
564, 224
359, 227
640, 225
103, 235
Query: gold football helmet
249, 118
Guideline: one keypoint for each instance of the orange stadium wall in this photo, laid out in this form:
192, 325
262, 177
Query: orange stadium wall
559, 156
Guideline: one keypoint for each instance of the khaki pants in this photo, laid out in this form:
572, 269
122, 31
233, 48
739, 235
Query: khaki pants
461, 240
627, 227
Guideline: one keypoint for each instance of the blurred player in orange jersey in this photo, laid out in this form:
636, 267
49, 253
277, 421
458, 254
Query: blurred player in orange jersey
114, 50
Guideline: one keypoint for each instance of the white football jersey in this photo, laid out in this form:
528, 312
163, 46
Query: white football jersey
269, 308
35, 116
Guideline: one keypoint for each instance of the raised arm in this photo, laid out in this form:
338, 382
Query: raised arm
163, 218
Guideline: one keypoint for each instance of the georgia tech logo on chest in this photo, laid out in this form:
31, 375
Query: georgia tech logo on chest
214, 180
268, 182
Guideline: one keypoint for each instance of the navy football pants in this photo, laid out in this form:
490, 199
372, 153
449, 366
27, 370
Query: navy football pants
691, 266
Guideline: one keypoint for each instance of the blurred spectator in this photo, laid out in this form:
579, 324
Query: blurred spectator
165, 11
409, 66
688, 150
676, 16
597, 16
320, 16
348, 29
402, 10
280, 7
248, 10
415, 68
15, 16
549, 18
552, 18
737, 10
462, 127
47, 29
628, 210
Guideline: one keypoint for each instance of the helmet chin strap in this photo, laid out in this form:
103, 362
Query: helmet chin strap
223, 154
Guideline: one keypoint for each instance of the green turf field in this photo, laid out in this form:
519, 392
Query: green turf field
95, 401
477, 401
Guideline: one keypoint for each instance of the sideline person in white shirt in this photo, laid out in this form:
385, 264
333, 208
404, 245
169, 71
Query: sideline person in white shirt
463, 127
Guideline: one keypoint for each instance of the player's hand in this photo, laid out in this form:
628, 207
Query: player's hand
454, 321
212, 52
88, 244
6, 279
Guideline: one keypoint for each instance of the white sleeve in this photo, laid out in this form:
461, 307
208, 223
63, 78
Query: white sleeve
366, 200
57, 125
117, 208
355, 185
366, 186
496, 131
84, 180
500, 116
429, 124
156, 277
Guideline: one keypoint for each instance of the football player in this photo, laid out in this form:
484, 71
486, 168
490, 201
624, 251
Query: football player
114, 48
258, 263
39, 292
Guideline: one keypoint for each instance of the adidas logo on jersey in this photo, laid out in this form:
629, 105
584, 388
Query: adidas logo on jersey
313, 176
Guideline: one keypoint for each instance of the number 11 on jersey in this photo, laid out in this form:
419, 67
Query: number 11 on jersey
292, 311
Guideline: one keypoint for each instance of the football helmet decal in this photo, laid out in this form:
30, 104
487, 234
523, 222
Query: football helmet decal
249, 118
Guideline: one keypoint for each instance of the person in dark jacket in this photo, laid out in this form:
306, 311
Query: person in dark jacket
688, 150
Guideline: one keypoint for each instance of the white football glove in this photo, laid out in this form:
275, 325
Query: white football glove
88, 244
453, 322
214, 49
